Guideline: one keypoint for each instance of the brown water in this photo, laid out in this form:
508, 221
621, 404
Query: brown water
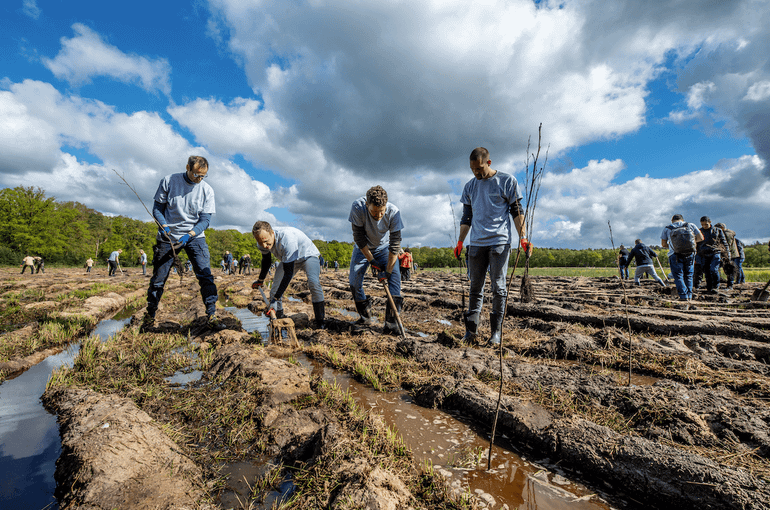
457, 449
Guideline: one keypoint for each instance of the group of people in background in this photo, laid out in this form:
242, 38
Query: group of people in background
35, 264
693, 253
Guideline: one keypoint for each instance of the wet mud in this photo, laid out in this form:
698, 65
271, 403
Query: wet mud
692, 429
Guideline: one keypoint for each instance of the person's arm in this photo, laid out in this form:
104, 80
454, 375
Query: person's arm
204, 219
288, 273
267, 261
159, 212
664, 243
393, 249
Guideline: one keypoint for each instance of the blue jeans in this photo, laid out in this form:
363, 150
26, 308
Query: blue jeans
163, 258
494, 258
682, 269
711, 265
359, 265
739, 276
624, 271
312, 268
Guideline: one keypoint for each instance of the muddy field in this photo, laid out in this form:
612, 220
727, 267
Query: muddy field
692, 428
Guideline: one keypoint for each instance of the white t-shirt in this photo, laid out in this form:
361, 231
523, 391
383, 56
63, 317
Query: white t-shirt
377, 232
291, 245
491, 201
184, 203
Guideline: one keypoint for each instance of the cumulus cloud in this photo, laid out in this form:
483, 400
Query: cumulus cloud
39, 123
87, 55
30, 8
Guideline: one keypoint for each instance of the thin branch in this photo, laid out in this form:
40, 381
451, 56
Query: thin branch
625, 300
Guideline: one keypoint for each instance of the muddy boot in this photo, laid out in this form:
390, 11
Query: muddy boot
148, 323
471, 327
214, 323
364, 309
391, 323
319, 310
496, 325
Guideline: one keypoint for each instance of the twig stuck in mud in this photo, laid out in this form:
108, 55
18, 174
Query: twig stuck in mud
532, 185
625, 300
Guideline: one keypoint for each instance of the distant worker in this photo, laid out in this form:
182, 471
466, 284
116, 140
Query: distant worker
739, 262
624, 260
183, 208
729, 255
710, 251
143, 261
247, 263
336, 265
228, 262
405, 260
489, 201
295, 251
113, 262
322, 262
680, 238
89, 264
40, 264
28, 261
643, 255
377, 226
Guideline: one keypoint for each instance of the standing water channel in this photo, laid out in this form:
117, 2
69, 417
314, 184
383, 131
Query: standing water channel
29, 435
30, 444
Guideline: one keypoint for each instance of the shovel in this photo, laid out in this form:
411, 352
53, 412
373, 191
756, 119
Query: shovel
393, 307
761, 295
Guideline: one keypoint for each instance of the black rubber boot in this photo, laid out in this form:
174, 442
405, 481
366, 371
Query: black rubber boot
319, 310
496, 325
471, 327
364, 309
148, 323
391, 323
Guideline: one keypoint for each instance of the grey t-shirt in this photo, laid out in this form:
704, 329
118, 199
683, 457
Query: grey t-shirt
291, 245
491, 200
666, 234
185, 202
377, 232
114, 256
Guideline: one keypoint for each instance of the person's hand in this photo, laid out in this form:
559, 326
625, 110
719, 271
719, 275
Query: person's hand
458, 250
526, 246
383, 276
257, 284
184, 240
166, 230
376, 270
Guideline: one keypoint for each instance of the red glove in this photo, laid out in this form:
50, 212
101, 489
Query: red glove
526, 246
376, 270
257, 284
458, 250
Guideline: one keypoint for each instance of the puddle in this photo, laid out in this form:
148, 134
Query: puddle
29, 435
346, 313
458, 451
180, 379
241, 477
251, 322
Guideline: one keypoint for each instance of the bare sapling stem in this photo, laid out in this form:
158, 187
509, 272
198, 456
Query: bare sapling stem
625, 300
532, 180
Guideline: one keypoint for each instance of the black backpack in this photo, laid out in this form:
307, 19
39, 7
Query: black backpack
682, 239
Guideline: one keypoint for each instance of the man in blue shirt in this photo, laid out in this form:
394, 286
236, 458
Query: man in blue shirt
643, 256
680, 238
377, 229
113, 261
183, 208
489, 201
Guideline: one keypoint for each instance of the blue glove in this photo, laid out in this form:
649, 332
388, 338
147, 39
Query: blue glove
184, 240
167, 231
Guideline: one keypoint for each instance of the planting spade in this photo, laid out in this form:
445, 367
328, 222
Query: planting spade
761, 295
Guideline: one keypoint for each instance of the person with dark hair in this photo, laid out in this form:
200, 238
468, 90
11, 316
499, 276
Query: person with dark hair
680, 238
624, 260
710, 251
40, 263
377, 229
183, 208
295, 251
491, 209
729, 255
28, 261
405, 262
643, 256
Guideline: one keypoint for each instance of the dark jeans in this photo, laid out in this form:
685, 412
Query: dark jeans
624, 270
163, 258
740, 277
31, 269
113, 267
711, 265
682, 269
359, 265
494, 258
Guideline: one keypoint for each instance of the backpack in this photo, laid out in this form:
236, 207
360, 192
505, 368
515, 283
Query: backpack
682, 239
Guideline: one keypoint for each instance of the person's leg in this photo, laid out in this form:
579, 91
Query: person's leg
741, 278
358, 267
498, 269
198, 252
163, 258
652, 272
677, 271
638, 272
478, 261
688, 262
713, 268
312, 268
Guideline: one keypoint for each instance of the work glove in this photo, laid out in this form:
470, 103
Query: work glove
270, 309
257, 284
526, 246
458, 250
166, 232
376, 270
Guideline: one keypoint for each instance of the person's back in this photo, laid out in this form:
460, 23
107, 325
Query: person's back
641, 254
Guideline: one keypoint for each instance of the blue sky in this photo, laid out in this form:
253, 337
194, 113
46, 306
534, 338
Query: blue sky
648, 109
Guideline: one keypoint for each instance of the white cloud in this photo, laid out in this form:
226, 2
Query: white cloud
30, 8
759, 91
87, 55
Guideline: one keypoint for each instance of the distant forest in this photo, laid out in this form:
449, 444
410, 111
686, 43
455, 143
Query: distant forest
67, 233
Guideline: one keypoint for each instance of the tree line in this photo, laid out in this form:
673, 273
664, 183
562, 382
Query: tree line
67, 233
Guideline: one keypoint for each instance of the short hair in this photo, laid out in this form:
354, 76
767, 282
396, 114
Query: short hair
197, 162
479, 153
262, 226
638, 241
677, 217
621, 246
377, 196
721, 225
706, 219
